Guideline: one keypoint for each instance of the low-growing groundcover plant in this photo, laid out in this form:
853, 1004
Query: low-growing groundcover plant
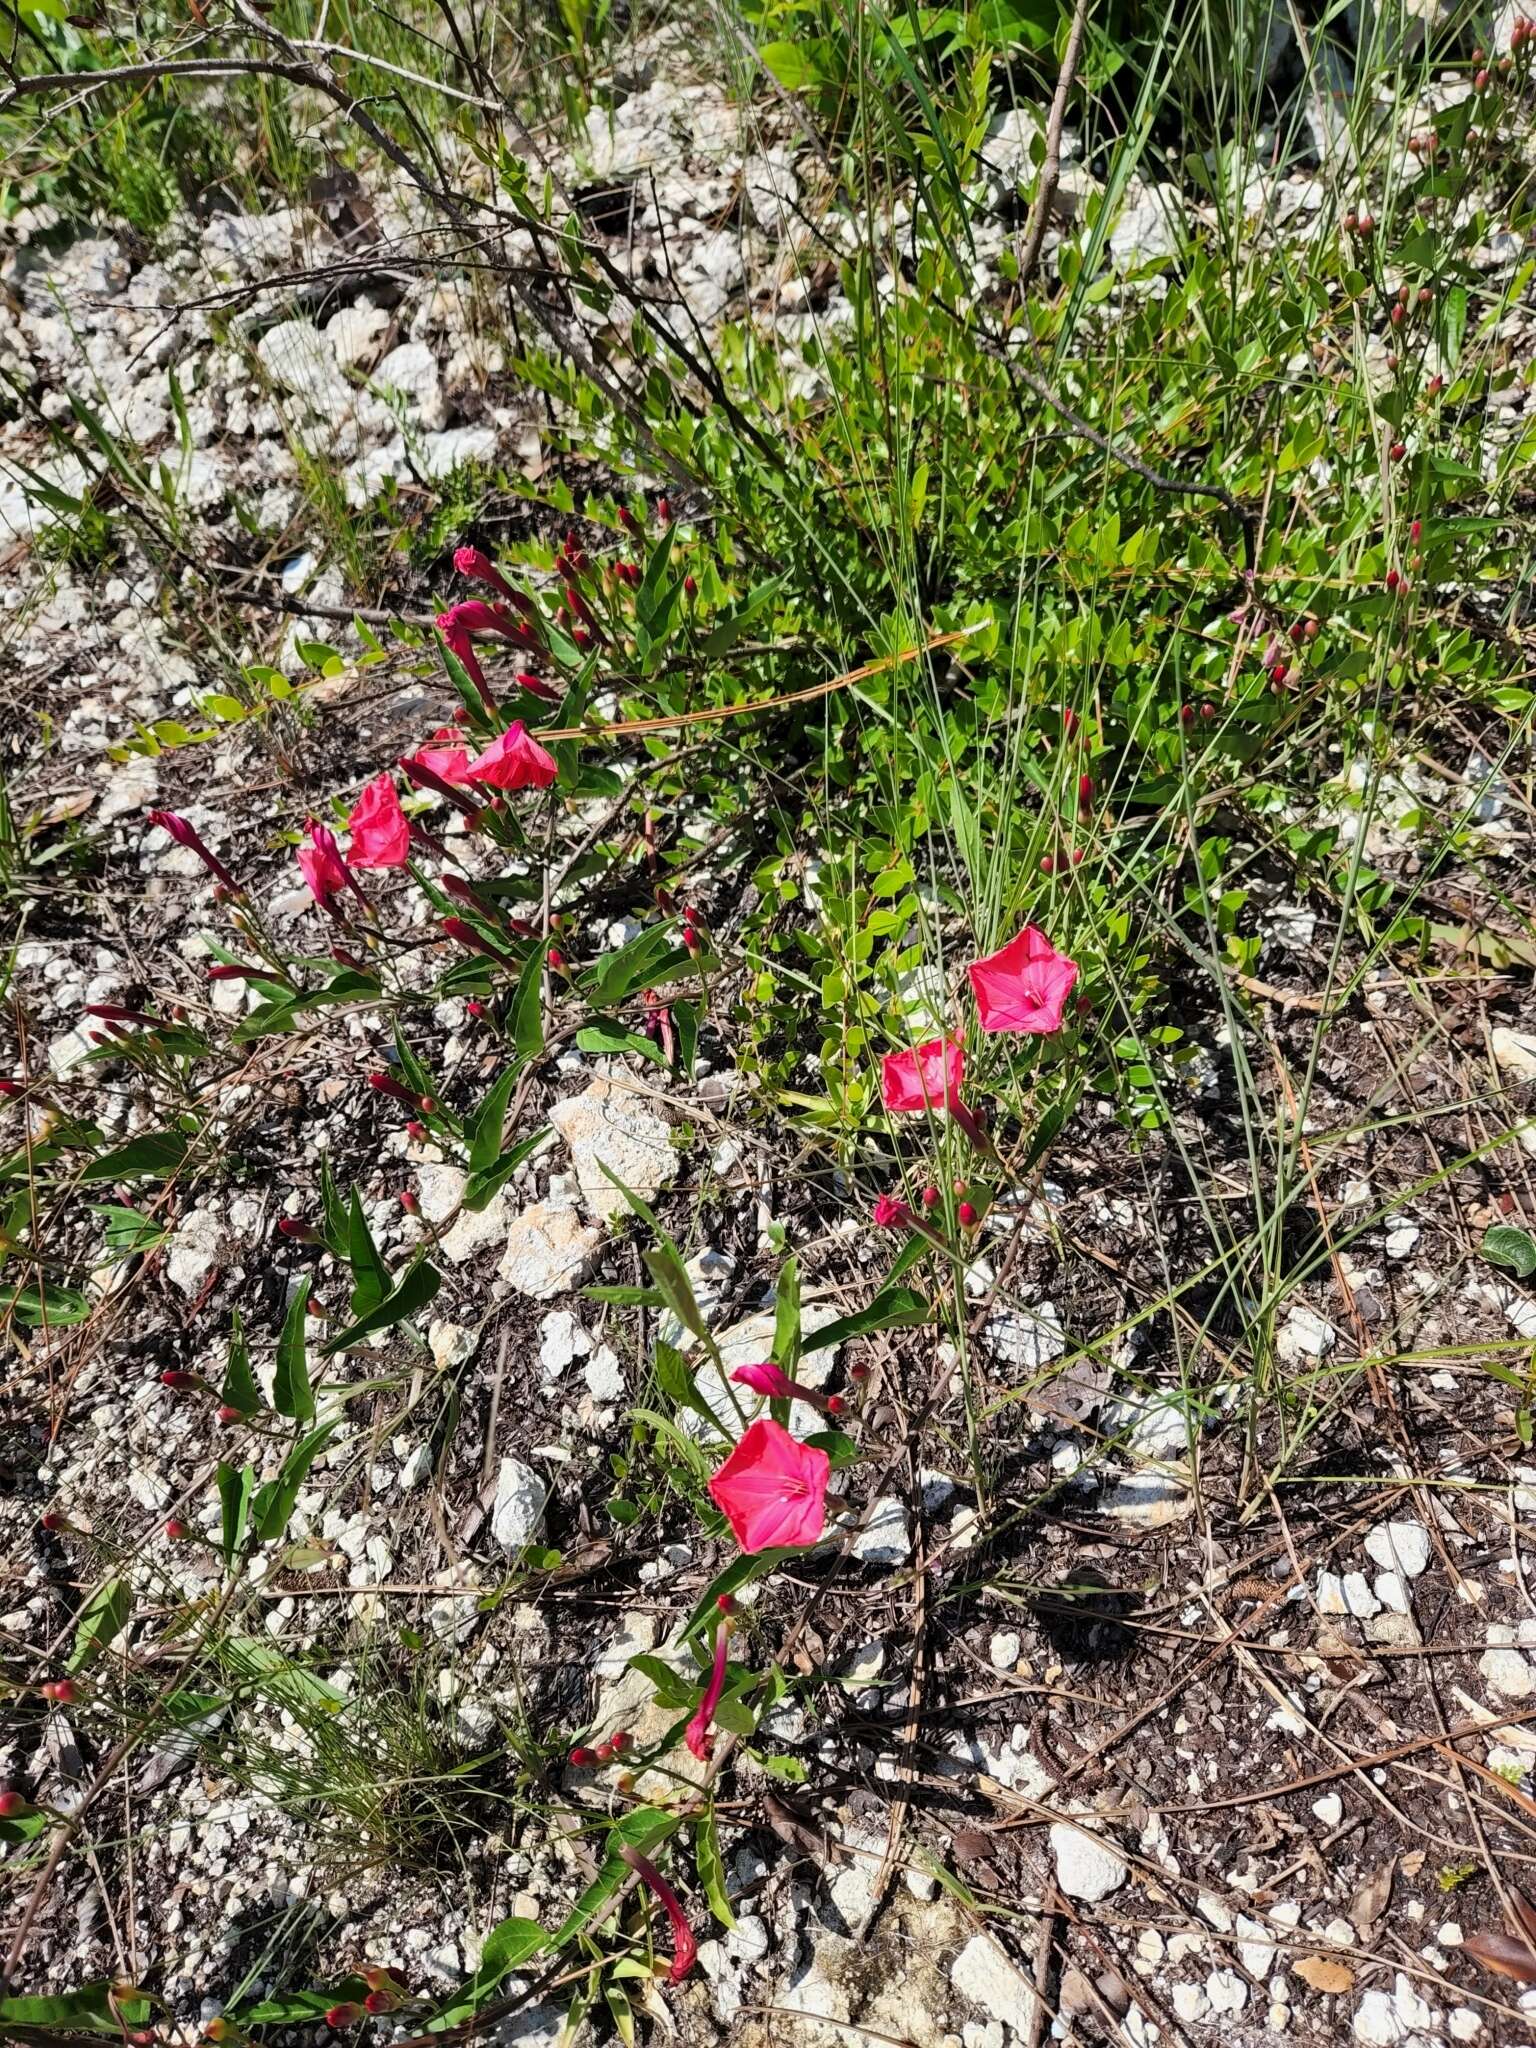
998, 655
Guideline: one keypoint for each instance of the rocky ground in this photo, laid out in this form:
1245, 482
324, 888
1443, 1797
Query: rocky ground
1089, 1736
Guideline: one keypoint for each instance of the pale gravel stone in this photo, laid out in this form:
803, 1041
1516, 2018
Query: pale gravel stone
548, 1249
1005, 1649
1347, 1595
517, 1515
1508, 1674
1399, 1547
983, 1973
1087, 1868
610, 1125
1329, 1809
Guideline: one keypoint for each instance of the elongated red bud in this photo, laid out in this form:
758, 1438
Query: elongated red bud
967, 1214
177, 1530
409, 1203
13, 1805
347, 2014
1084, 792
181, 1382
227, 1415
295, 1226
690, 586
52, 1520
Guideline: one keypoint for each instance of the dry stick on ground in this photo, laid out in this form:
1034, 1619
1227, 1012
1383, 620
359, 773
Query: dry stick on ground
1050, 170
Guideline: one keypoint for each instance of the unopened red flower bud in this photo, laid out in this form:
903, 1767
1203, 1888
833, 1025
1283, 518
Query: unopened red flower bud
628, 520
556, 960
1313, 629
1416, 530
1084, 792
1435, 385
604, 1753
1367, 224
228, 1415
1186, 713
177, 1530
12, 1804
1426, 296
295, 1226
582, 637
835, 1404
1397, 451
1209, 710
582, 1759
1077, 856
930, 1197
690, 586
475, 1007
858, 1374
409, 1203
180, 1382
63, 1691
1279, 672
664, 511
967, 1214
347, 2014
379, 2001
461, 714
1047, 865
1397, 315
1351, 222
1392, 579
417, 1132
1480, 81
51, 1519
725, 1603
959, 1185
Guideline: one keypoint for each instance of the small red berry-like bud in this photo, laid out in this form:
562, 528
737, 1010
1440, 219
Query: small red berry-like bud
428, 1105
556, 960
1393, 579
1278, 673
858, 1374
12, 1804
1397, 316
64, 1690
1367, 225
604, 1753
621, 1739
1480, 82
418, 1132
347, 2014
1393, 361
1209, 710
1084, 791
1416, 530
1047, 865
409, 1203
628, 520
378, 2001
958, 1185
180, 1382
726, 1603
1351, 222
228, 1415
1186, 713
930, 1198
835, 1404
1426, 296
461, 714
1077, 856
1479, 55
51, 1519
967, 1215
1313, 629
177, 1530
1069, 721
1435, 385
581, 1759
690, 586
664, 511
1397, 451
581, 636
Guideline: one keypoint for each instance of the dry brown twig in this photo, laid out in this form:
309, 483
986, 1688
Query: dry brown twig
1050, 170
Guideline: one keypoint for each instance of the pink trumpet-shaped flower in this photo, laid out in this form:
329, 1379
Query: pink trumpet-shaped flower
514, 760
890, 1213
697, 1733
776, 1385
439, 768
464, 934
684, 1947
186, 835
772, 1489
323, 867
481, 569
928, 1078
475, 616
456, 639
381, 832
1024, 985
